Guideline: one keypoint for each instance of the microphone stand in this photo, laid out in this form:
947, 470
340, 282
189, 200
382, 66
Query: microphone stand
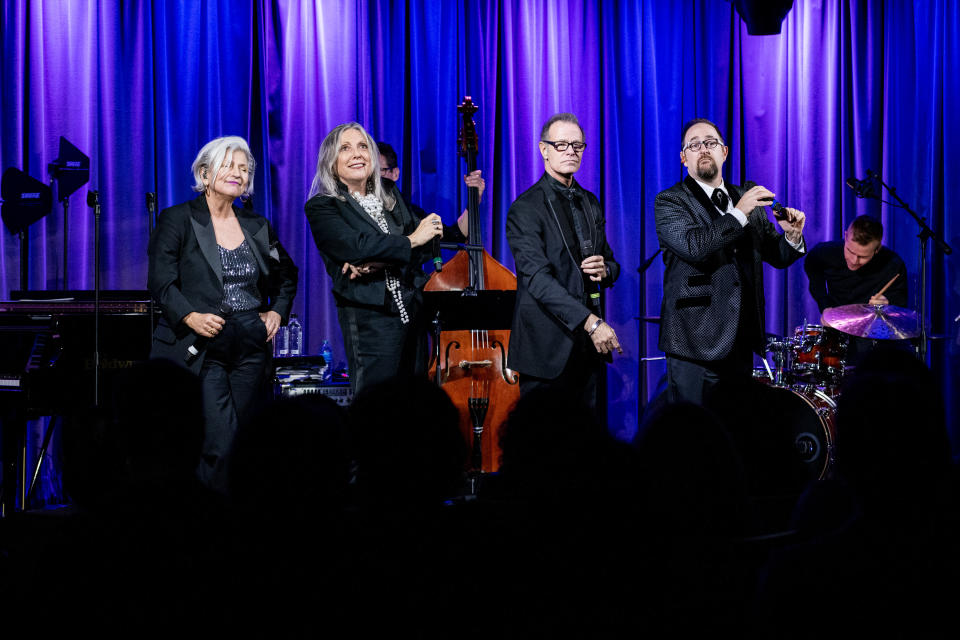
642, 334
66, 243
93, 200
925, 233
151, 223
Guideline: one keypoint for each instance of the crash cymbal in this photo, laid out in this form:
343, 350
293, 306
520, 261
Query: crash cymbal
876, 321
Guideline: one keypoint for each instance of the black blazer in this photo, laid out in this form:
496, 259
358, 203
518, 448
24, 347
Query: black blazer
344, 232
551, 305
185, 273
701, 283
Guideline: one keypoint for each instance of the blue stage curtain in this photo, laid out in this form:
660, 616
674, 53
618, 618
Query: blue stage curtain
848, 85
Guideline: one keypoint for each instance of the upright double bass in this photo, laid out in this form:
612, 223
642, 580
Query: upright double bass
470, 362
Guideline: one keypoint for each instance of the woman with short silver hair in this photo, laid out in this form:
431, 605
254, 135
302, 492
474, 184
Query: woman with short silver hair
373, 248
224, 284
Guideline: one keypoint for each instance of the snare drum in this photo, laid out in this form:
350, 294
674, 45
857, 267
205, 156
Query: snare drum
819, 352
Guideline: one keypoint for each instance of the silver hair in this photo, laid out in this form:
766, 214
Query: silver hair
211, 157
326, 180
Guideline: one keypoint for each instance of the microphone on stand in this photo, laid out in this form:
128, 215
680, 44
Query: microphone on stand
862, 188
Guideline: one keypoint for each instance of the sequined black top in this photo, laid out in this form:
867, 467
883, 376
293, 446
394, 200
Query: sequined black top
240, 275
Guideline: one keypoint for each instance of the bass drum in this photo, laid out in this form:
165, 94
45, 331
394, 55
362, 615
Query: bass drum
809, 416
785, 435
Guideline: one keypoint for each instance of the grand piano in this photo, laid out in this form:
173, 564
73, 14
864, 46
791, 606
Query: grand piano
60, 351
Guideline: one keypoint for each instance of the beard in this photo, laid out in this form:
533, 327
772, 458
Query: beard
707, 171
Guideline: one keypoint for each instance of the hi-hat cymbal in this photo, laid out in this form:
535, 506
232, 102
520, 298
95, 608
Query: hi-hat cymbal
876, 321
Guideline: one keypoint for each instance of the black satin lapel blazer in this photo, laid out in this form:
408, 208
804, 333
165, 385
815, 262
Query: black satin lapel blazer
185, 273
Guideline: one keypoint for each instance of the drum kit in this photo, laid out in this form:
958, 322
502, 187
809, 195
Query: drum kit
809, 368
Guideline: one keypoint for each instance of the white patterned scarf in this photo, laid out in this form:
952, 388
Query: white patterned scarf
374, 207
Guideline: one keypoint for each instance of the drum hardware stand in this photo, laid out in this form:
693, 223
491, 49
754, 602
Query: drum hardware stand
779, 348
925, 233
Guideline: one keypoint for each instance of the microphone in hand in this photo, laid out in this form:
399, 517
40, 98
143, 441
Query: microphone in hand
593, 288
435, 250
200, 342
779, 211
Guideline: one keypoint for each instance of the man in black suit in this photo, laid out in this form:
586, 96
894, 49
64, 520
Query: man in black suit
556, 233
715, 237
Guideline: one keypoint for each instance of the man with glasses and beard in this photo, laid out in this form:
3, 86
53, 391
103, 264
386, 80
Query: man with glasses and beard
715, 237
555, 229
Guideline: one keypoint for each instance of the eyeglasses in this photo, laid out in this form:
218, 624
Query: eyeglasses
562, 145
710, 144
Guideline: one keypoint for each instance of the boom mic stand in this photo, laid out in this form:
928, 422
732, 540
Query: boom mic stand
925, 233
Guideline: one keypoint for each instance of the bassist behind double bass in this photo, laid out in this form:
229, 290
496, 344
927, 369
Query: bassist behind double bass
556, 233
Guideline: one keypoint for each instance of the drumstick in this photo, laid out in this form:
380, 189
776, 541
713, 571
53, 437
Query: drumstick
886, 286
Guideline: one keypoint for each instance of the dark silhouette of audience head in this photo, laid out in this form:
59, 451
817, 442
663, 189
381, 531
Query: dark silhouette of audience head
693, 478
158, 406
408, 445
765, 423
554, 450
292, 456
891, 429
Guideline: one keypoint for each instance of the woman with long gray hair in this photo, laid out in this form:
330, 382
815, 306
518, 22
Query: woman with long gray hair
373, 249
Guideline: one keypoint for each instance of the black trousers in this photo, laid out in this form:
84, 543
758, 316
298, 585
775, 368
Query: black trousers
582, 377
232, 378
694, 380
378, 346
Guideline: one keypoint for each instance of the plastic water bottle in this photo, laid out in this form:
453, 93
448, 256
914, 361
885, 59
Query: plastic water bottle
327, 352
281, 342
295, 345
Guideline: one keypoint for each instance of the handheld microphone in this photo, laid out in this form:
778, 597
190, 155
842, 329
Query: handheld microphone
200, 342
586, 250
435, 249
779, 211
194, 349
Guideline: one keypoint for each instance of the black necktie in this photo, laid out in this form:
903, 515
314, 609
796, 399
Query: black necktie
720, 199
